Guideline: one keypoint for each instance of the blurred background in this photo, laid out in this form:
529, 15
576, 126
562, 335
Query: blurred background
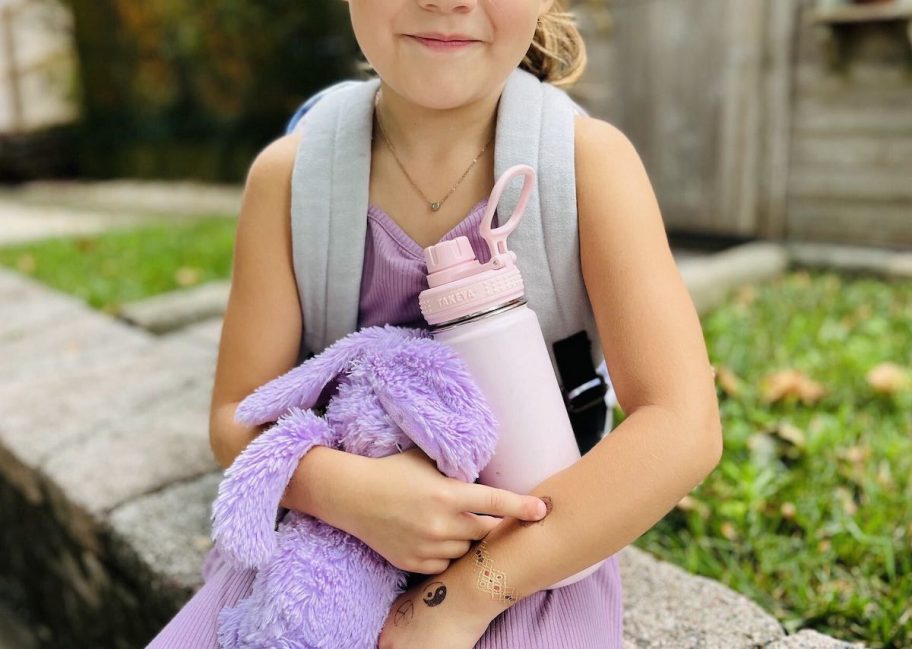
778, 137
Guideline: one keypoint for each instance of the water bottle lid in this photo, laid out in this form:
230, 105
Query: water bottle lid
458, 284
450, 260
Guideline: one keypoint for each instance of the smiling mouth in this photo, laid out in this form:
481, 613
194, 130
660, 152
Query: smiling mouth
434, 44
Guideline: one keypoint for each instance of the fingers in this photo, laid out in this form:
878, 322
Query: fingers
498, 502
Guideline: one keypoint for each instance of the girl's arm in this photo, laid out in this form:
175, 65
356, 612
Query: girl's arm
671, 438
262, 329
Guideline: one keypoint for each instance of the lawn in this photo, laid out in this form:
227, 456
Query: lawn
109, 269
809, 512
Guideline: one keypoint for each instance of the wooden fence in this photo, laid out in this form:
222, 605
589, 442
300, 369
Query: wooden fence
37, 83
785, 119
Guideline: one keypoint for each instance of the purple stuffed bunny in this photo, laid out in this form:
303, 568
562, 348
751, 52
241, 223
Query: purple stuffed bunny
316, 585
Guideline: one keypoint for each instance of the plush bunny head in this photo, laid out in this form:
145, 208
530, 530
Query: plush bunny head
397, 388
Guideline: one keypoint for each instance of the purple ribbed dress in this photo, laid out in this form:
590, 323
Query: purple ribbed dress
585, 615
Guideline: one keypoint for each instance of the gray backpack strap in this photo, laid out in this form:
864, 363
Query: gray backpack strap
329, 198
535, 126
330, 185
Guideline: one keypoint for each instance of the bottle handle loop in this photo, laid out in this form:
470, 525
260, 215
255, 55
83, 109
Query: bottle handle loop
497, 238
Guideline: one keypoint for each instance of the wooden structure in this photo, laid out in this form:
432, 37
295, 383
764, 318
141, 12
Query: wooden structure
780, 119
36, 66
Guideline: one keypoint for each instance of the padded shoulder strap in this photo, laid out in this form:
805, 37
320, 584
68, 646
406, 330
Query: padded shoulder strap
329, 198
535, 125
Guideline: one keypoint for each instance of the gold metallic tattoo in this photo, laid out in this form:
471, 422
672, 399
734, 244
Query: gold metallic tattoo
492, 581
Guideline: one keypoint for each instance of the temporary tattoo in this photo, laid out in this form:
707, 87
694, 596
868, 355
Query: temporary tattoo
489, 580
404, 613
434, 593
548, 507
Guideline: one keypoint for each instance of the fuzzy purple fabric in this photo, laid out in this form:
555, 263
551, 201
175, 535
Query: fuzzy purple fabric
316, 585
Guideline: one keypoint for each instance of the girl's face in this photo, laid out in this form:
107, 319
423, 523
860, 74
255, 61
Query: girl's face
435, 76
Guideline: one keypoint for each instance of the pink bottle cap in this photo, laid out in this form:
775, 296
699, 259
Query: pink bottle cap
458, 284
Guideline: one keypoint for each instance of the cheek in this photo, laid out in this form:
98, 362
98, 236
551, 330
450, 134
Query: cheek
371, 20
513, 22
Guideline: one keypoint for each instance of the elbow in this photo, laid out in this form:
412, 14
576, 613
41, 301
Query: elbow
704, 439
709, 432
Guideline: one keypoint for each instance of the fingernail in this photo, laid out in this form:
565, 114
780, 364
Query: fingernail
542, 509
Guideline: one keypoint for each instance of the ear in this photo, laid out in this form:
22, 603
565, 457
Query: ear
429, 392
301, 387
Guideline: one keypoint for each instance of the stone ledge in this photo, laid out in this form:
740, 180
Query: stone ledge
811, 640
129, 196
176, 309
709, 278
666, 606
852, 259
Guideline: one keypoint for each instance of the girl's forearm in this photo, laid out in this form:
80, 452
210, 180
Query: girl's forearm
315, 486
599, 505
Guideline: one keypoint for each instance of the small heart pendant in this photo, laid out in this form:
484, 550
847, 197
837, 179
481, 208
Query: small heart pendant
435, 206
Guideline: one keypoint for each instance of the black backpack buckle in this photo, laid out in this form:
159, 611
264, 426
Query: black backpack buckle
586, 396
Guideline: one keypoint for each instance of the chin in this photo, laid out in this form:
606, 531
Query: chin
441, 92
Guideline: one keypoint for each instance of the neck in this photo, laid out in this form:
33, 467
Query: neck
431, 136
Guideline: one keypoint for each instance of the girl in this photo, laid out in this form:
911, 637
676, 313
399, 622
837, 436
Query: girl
442, 65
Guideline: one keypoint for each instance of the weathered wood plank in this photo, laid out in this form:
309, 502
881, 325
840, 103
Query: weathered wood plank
875, 184
813, 118
853, 150
876, 222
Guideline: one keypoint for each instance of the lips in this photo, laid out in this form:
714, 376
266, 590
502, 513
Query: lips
439, 36
444, 43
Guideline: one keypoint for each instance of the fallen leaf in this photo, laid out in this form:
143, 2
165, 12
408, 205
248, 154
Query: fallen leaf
187, 276
689, 504
788, 510
746, 295
762, 448
791, 383
728, 381
854, 454
888, 378
84, 244
846, 500
26, 263
791, 434
884, 475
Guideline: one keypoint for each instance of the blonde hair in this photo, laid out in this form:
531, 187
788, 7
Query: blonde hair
557, 53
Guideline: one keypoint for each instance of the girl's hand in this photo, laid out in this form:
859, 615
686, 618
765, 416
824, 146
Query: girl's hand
431, 615
419, 519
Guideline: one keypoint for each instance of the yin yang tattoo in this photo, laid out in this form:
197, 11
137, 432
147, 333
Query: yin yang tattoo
434, 593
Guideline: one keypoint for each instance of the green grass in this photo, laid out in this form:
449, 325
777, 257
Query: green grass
112, 268
810, 511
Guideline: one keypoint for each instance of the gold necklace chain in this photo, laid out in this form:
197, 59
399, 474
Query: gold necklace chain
435, 205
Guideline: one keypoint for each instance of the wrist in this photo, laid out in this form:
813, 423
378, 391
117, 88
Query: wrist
477, 584
310, 488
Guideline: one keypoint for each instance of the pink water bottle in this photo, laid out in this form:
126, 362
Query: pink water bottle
480, 311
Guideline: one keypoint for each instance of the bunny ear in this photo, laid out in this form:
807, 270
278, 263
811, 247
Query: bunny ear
244, 512
301, 387
429, 392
